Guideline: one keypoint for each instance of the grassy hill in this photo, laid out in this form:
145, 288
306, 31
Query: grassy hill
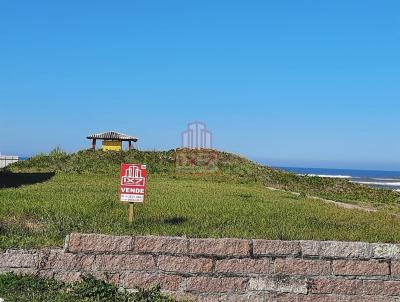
232, 168
50, 195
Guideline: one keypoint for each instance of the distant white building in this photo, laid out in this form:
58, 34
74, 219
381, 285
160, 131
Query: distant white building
7, 160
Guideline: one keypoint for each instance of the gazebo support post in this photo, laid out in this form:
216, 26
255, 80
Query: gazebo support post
129, 145
94, 144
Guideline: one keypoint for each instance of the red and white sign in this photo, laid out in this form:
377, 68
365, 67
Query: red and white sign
133, 183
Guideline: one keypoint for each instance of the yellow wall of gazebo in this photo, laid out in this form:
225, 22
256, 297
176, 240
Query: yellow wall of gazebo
109, 145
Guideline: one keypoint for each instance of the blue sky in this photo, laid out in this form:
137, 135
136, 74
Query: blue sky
303, 83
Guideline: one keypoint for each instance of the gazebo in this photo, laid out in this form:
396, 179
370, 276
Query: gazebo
112, 140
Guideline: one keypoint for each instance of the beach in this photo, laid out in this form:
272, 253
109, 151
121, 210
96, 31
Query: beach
372, 178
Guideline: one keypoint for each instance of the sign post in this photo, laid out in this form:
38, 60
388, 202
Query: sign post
131, 212
132, 186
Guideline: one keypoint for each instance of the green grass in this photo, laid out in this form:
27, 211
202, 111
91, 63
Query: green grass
82, 196
232, 168
29, 288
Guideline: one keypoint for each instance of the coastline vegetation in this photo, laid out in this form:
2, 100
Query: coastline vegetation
48, 196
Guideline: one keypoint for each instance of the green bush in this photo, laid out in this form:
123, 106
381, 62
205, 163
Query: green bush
24, 288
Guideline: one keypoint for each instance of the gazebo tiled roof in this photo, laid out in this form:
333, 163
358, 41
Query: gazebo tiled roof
112, 135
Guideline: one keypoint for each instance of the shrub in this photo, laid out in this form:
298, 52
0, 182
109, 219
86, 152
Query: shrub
24, 288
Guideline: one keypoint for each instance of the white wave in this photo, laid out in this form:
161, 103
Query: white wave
398, 190
389, 184
385, 179
327, 176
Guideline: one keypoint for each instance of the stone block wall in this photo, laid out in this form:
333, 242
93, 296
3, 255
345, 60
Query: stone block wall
224, 269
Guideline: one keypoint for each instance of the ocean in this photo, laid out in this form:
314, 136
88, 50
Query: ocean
376, 179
